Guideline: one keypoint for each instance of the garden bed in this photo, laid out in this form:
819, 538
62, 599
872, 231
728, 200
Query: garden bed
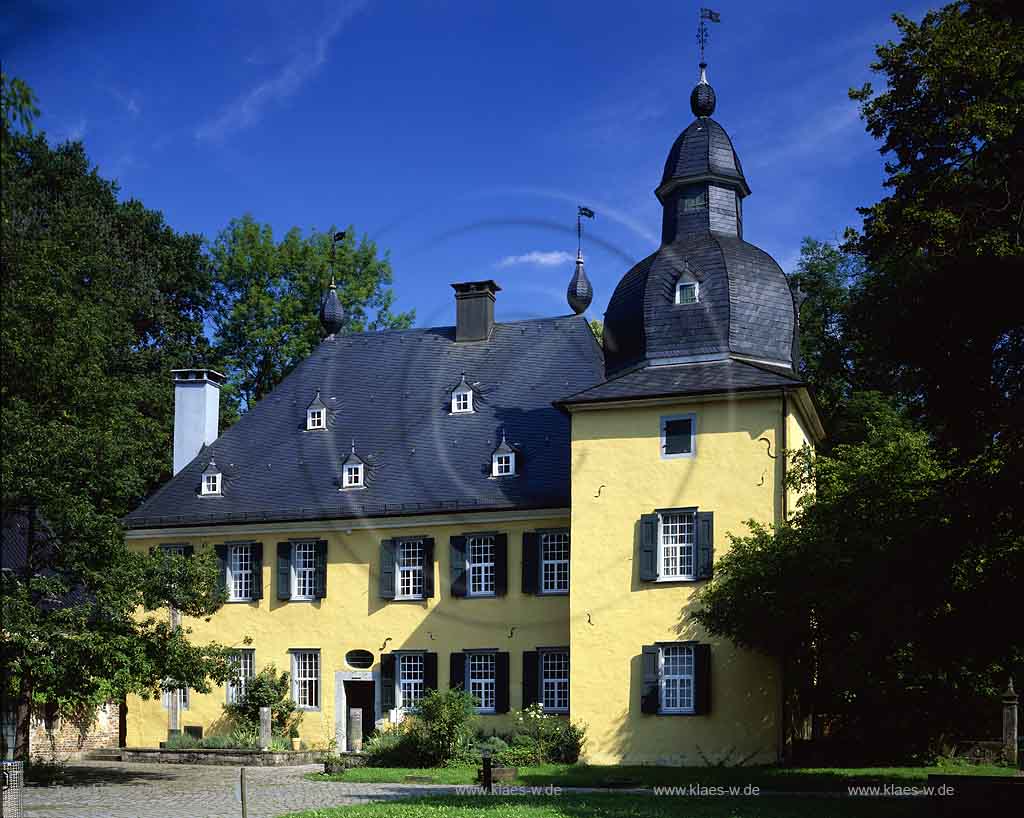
226, 757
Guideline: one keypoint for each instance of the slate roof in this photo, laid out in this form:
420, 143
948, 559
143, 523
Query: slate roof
745, 305
391, 393
685, 379
703, 149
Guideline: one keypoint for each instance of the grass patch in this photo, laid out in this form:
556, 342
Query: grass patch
785, 779
629, 806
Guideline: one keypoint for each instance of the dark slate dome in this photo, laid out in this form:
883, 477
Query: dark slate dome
332, 314
702, 98
740, 304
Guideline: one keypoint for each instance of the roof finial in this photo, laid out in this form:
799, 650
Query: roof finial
353, 445
332, 314
580, 293
702, 99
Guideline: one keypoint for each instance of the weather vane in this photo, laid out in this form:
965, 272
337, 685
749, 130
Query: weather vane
581, 214
706, 16
339, 236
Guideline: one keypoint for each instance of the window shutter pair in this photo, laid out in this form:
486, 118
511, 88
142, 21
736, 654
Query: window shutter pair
460, 573
256, 558
651, 690
705, 551
531, 677
531, 563
389, 677
389, 569
458, 681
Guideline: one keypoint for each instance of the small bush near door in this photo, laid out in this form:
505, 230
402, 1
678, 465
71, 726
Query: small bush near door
440, 732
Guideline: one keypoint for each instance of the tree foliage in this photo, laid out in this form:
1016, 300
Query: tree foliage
101, 298
267, 298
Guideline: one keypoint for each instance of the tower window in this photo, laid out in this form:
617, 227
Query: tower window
353, 478
462, 397
504, 465
686, 292
678, 435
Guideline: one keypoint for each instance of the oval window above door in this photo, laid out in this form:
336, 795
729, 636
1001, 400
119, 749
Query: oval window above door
359, 659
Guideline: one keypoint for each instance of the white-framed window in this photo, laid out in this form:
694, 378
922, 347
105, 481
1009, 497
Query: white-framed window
482, 680
503, 464
175, 550
316, 419
554, 561
687, 292
409, 564
244, 671
678, 436
306, 679
352, 477
240, 575
480, 564
676, 679
211, 484
410, 679
303, 570
554, 680
462, 401
180, 692
677, 532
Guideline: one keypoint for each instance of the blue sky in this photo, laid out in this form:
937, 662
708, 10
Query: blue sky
459, 135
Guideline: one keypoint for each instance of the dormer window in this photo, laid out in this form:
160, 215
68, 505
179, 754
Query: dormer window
462, 398
353, 476
686, 292
503, 460
211, 481
316, 414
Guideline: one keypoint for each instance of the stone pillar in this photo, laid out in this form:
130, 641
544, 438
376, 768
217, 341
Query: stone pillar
1010, 725
265, 728
355, 729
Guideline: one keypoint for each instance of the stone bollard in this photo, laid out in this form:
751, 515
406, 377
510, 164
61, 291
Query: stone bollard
1010, 725
265, 728
355, 729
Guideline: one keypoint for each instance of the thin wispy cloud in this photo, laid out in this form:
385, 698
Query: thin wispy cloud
130, 102
249, 108
542, 258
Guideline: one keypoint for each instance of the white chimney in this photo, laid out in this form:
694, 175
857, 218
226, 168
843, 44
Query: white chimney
196, 411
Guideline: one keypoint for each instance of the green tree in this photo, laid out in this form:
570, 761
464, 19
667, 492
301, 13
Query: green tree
100, 299
266, 306
933, 315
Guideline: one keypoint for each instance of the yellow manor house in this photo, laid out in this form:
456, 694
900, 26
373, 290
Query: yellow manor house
511, 508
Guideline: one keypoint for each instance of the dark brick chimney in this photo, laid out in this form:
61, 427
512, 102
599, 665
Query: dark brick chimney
474, 310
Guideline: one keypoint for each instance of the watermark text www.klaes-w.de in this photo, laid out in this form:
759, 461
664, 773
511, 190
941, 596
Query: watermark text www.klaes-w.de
703, 791
898, 790
501, 789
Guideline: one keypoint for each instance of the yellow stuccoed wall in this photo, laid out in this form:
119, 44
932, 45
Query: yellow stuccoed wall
617, 475
353, 616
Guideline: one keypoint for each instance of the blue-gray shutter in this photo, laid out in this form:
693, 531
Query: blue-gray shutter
705, 544
222, 564
188, 551
702, 679
501, 682
257, 570
650, 692
284, 570
430, 671
320, 576
531, 562
428, 567
531, 677
458, 557
387, 569
648, 552
387, 681
500, 564
457, 666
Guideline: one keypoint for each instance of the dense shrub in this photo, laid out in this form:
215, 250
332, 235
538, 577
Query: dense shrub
542, 738
440, 732
268, 688
396, 746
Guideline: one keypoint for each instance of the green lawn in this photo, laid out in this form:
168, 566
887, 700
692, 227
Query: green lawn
631, 806
786, 779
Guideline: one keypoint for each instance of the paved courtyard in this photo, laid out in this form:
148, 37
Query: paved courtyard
101, 789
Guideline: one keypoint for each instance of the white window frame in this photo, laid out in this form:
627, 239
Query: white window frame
664, 678
663, 437
411, 672
301, 659
483, 683
246, 670
310, 572
481, 566
316, 419
210, 487
462, 393
497, 464
663, 574
412, 571
687, 283
352, 476
183, 698
556, 680
234, 552
555, 564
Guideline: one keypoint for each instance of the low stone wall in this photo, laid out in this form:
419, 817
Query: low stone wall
233, 758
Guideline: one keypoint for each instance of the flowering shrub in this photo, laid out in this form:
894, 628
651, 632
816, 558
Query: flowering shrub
541, 738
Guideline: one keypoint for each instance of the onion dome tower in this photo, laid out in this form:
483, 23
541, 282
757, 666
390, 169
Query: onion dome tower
705, 294
332, 314
580, 292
